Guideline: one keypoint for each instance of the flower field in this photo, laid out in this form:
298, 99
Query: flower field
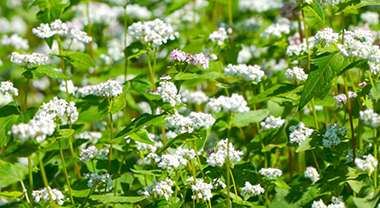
189, 103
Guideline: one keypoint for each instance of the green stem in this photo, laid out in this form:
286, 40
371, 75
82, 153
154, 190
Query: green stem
31, 186
314, 114
88, 196
65, 171
230, 20
151, 71
44, 179
235, 187
111, 147
228, 161
351, 120
26, 95
26, 194
176, 186
119, 171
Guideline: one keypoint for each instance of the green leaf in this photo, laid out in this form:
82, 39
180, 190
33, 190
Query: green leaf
144, 120
354, 5
244, 119
48, 71
10, 196
274, 91
118, 103
110, 199
190, 76
10, 174
64, 133
315, 11
141, 135
78, 59
148, 172
375, 91
325, 68
5, 126
104, 108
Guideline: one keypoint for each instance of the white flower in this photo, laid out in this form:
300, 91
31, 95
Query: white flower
88, 154
272, 123
58, 27
105, 89
70, 86
326, 37
202, 190
29, 60
80, 35
318, 204
270, 173
369, 163
163, 188
95, 179
43, 31
7, 89
219, 157
371, 18
219, 36
43, 195
16, 41
341, 99
248, 73
37, 129
171, 162
259, 6
370, 118
249, 190
168, 92
296, 75
331, 137
194, 97
235, 103
281, 26
299, 133
312, 173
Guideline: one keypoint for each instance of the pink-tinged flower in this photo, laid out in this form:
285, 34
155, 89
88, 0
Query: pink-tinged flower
201, 59
178, 55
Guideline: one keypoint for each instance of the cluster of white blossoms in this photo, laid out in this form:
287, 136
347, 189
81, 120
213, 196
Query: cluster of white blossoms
80, 35
153, 33
58, 108
368, 163
136, 11
370, 118
177, 160
332, 134
248, 73
95, 179
193, 122
259, 6
296, 75
163, 188
70, 87
184, 16
97, 13
311, 173
219, 157
341, 99
194, 97
336, 203
235, 104
299, 133
91, 153
326, 37
250, 190
272, 123
270, 173
16, 41
8, 90
220, 35
371, 18
198, 58
104, 89
35, 129
281, 26
201, 190
296, 47
43, 195
29, 60
168, 91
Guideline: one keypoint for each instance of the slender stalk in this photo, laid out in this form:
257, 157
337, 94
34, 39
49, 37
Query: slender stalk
31, 186
65, 171
111, 147
151, 72
307, 39
314, 114
228, 161
230, 20
88, 196
26, 95
351, 120
44, 179
176, 186
90, 47
119, 171
375, 150
199, 160
234, 184
26, 194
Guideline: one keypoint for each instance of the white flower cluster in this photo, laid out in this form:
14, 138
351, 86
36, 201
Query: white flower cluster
168, 91
97, 13
270, 173
198, 58
219, 157
194, 97
250, 190
371, 18
8, 90
331, 136
182, 17
163, 188
136, 11
259, 6
281, 26
272, 123
58, 108
153, 33
189, 124
105, 89
92, 153
70, 87
368, 163
312, 173
296, 75
248, 73
95, 179
174, 161
43, 195
80, 35
341, 99
296, 47
29, 60
326, 37
16, 41
202, 190
370, 118
220, 35
299, 133
235, 103
35, 129
336, 203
